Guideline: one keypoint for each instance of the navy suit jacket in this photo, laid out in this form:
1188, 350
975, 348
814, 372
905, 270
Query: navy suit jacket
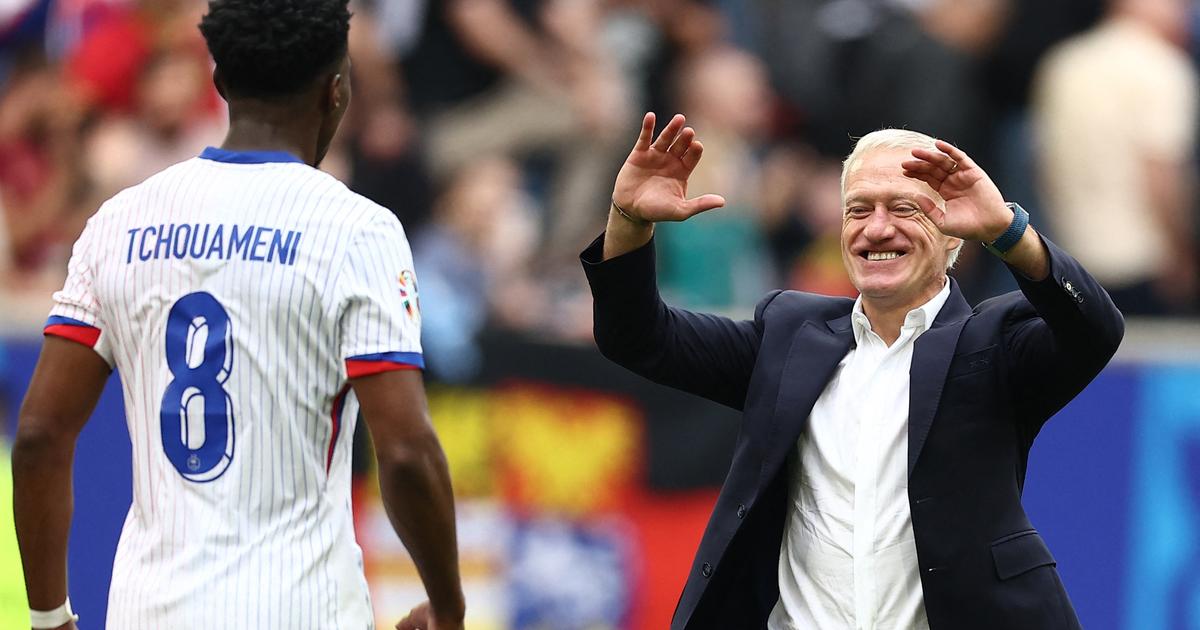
983, 382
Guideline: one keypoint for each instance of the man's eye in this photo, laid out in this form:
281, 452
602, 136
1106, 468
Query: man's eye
905, 211
857, 212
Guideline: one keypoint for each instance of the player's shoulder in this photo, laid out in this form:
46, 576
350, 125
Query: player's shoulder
363, 214
334, 197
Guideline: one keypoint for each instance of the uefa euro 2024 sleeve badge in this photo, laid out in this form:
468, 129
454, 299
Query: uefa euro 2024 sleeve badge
409, 295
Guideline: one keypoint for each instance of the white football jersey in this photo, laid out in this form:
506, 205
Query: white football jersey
236, 294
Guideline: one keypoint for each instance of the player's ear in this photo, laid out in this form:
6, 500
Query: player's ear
337, 93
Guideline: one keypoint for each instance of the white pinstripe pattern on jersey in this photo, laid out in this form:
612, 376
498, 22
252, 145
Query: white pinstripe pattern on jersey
270, 542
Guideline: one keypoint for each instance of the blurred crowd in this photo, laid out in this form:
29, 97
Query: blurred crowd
494, 128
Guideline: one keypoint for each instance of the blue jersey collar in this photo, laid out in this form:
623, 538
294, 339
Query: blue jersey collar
248, 157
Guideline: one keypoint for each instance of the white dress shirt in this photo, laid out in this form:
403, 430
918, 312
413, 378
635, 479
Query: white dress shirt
848, 558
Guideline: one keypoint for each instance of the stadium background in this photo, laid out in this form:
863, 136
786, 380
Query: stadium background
493, 129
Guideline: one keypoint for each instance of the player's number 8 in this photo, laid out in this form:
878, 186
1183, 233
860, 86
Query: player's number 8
197, 412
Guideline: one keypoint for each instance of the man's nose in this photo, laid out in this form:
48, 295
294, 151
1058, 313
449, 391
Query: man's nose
879, 225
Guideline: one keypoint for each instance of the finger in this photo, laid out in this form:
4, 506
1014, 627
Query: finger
927, 171
957, 154
703, 203
692, 157
647, 134
669, 132
927, 168
931, 210
683, 142
941, 160
417, 619
930, 180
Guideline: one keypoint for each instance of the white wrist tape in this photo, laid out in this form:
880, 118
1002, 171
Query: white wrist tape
52, 618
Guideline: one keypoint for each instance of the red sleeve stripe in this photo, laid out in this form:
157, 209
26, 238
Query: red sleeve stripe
368, 364
356, 369
72, 330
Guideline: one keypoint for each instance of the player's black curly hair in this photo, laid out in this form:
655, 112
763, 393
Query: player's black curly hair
275, 48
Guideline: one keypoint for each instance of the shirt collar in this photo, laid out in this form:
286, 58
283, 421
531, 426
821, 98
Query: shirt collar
248, 157
920, 318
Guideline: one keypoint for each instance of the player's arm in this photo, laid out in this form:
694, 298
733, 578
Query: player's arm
414, 482
66, 384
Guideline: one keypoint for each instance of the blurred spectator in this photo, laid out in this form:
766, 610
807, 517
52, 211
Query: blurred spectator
110, 58
127, 97
473, 263
651, 40
523, 78
850, 67
170, 122
1033, 27
803, 218
1116, 115
380, 132
719, 260
398, 24
40, 174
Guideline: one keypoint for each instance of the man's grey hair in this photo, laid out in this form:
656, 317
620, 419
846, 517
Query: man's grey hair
885, 140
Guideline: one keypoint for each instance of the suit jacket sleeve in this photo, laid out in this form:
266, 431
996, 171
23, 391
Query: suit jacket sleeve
706, 355
1060, 340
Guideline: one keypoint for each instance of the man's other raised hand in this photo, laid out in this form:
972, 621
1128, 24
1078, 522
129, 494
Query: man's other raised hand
652, 185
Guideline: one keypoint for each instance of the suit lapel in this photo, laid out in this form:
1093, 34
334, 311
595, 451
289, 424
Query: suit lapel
931, 358
815, 352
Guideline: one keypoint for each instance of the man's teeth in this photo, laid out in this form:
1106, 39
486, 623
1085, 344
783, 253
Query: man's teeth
882, 255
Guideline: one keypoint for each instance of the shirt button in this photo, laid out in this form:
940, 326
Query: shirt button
706, 570
741, 511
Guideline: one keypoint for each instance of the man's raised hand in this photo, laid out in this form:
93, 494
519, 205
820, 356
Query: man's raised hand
975, 209
652, 184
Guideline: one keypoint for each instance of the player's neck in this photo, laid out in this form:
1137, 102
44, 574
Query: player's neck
257, 134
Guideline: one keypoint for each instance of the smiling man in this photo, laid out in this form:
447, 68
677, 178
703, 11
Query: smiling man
876, 481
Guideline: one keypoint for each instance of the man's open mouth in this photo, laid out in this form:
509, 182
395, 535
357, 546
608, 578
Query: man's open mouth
881, 255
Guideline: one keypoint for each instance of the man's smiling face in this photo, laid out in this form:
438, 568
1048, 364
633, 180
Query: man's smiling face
895, 255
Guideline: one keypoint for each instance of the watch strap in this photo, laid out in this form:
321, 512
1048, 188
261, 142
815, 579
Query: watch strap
1013, 234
